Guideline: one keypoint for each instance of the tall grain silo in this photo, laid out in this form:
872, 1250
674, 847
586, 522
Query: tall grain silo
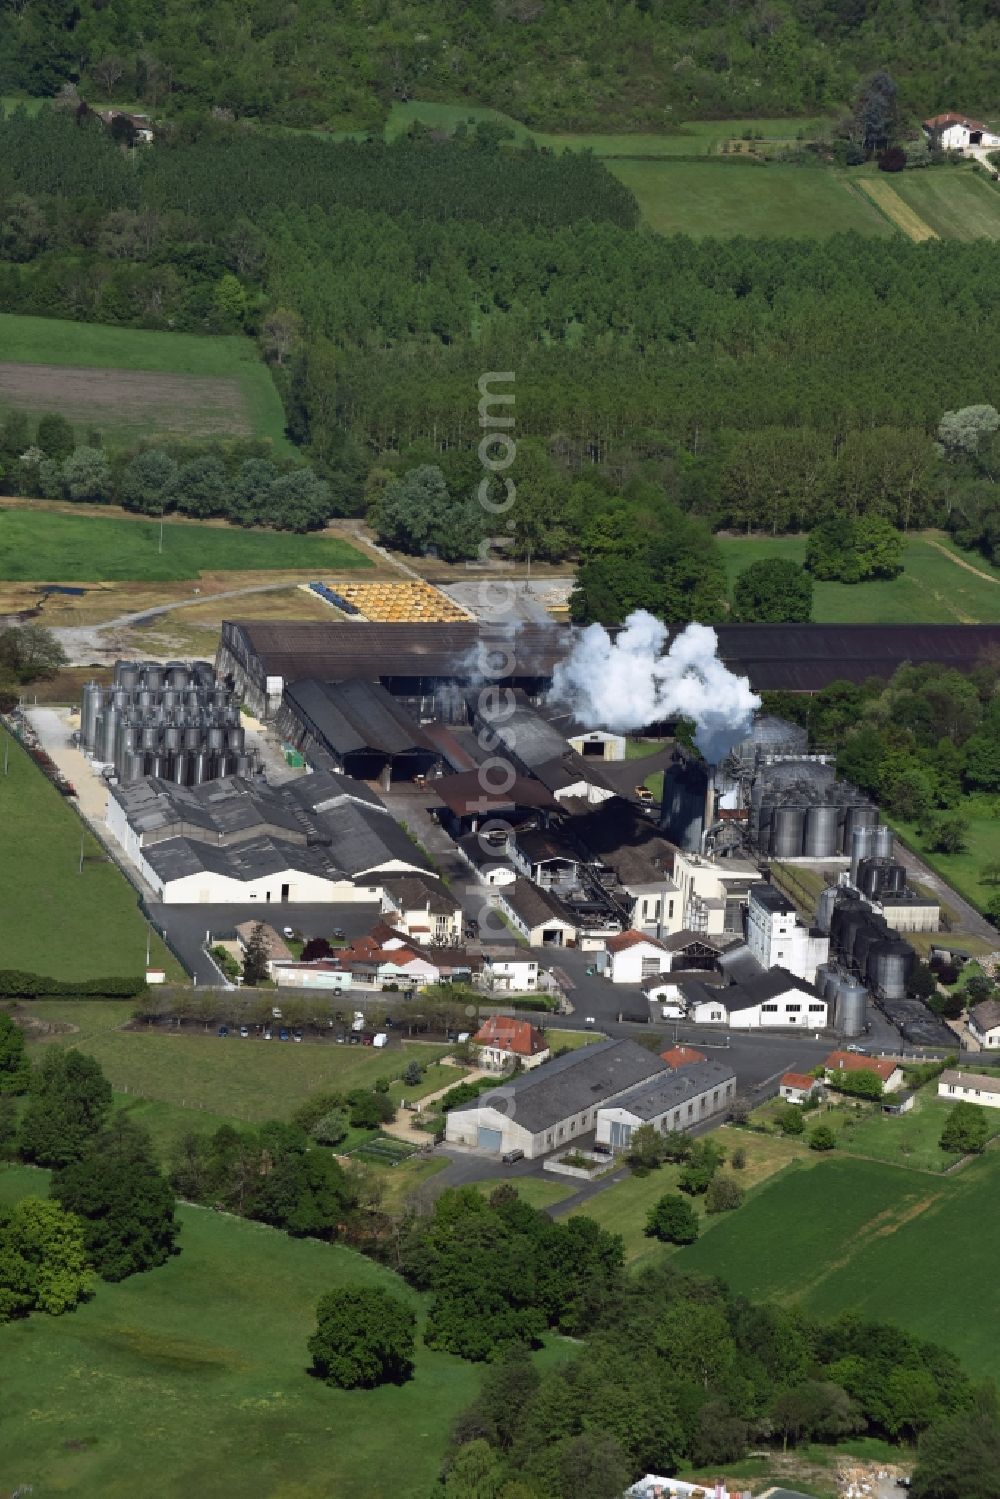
862, 844
884, 842
109, 730
892, 963
824, 907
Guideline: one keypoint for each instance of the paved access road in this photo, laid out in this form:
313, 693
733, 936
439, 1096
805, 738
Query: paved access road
188, 927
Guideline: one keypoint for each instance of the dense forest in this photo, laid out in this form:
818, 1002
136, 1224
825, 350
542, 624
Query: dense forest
585, 64
759, 384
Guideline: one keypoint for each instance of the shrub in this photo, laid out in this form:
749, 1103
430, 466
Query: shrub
893, 160
738, 1160
790, 1120
672, 1220
723, 1195
822, 1138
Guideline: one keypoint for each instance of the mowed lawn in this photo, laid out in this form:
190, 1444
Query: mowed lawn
932, 589
57, 921
49, 546
853, 1235
211, 382
192, 1379
955, 202
722, 199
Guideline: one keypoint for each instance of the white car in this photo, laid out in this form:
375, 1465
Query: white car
381, 1039
590, 1022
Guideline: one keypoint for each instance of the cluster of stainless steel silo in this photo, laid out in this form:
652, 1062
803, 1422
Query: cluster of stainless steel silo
846, 996
868, 946
799, 810
174, 721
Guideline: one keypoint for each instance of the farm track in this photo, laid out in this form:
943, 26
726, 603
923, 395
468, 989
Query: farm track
960, 562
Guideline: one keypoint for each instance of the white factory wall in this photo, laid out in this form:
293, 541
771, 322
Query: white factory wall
209, 888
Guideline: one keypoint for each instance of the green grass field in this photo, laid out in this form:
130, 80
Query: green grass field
241, 1080
48, 546
693, 137
533, 1190
963, 870
138, 383
903, 1140
623, 1207
955, 203
930, 590
58, 921
192, 1379
852, 1235
716, 199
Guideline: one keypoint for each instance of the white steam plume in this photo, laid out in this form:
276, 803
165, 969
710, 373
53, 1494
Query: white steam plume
626, 683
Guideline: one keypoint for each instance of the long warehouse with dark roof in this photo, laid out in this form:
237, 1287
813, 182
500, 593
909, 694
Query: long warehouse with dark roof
261, 658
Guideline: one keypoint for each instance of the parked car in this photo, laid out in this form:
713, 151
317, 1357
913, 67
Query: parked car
643, 794
600, 1147
381, 1039
510, 1156
284, 1035
288, 931
244, 1032
590, 1022
223, 1030
268, 1033
338, 934
296, 1035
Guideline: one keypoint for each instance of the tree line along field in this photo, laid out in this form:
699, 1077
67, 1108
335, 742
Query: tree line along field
879, 1240
50, 546
56, 920
934, 587
193, 1378
130, 383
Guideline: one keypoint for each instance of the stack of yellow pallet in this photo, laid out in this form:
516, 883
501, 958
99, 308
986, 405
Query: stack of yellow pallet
402, 603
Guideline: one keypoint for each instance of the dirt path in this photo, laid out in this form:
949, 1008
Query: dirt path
960, 561
402, 1127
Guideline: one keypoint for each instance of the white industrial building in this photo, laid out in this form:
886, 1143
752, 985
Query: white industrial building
630, 957
713, 893
675, 1100
776, 937
553, 1106
539, 916
320, 838
772, 1000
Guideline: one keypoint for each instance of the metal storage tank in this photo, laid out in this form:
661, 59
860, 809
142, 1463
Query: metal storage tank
169, 699
787, 832
850, 1008
154, 676
884, 842
127, 675
822, 974
235, 739
201, 768
895, 879
219, 697
179, 769
862, 843
133, 766
215, 739
192, 736
892, 963
831, 985
821, 832
156, 765
244, 765
149, 736
824, 907
771, 734
93, 698
177, 674
171, 739
109, 729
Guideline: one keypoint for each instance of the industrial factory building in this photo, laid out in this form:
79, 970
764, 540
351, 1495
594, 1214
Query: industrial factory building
770, 1001
776, 937
320, 838
416, 661
355, 727
175, 721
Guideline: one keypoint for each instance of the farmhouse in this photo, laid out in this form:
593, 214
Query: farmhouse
984, 1023
887, 1068
955, 132
503, 1041
970, 1087
796, 1087
675, 1100
553, 1105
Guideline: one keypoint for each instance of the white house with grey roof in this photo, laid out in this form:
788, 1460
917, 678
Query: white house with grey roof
984, 1023
551, 1107
537, 914
676, 1100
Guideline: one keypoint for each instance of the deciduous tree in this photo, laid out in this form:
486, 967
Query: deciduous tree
363, 1338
